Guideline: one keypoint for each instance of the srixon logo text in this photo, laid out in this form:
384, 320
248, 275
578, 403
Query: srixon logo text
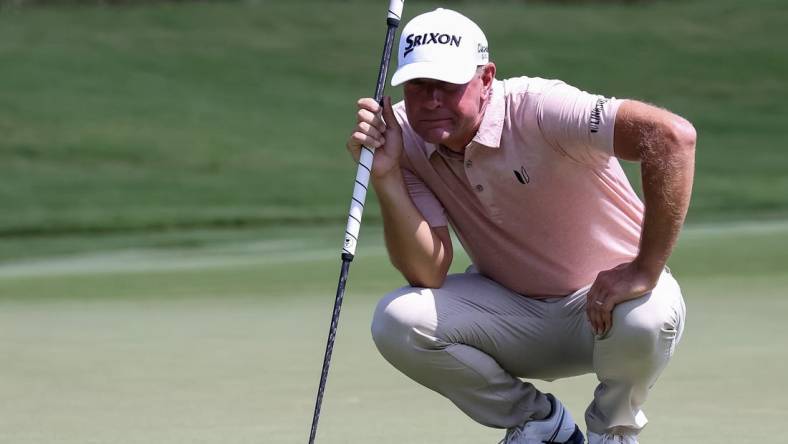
427, 38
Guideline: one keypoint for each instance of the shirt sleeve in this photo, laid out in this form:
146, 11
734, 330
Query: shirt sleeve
579, 124
425, 201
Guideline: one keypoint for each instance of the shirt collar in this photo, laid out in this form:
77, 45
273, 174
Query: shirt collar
489, 133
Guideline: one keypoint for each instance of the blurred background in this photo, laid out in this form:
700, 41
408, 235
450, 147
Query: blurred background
174, 188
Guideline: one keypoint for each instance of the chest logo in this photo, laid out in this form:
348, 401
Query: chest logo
522, 176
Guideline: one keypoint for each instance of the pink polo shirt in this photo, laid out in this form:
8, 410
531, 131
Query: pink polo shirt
537, 199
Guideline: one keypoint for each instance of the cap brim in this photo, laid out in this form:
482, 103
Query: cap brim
431, 70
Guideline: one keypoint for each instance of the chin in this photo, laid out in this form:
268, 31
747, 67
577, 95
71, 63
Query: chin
436, 136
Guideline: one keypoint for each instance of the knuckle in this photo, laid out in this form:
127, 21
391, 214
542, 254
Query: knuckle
366, 102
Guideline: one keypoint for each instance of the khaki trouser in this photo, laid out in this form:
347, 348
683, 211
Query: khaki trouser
472, 339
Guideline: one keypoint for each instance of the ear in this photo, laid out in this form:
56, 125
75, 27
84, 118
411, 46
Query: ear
488, 75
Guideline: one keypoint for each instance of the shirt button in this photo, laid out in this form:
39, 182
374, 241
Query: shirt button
479, 188
468, 163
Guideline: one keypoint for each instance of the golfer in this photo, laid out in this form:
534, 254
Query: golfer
569, 268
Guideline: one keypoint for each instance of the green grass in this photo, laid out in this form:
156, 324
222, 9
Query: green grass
235, 114
222, 341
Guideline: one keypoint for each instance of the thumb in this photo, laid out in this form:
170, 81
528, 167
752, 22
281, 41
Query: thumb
388, 114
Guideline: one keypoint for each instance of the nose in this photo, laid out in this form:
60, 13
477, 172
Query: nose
434, 97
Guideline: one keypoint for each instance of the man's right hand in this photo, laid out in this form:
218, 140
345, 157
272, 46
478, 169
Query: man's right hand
384, 134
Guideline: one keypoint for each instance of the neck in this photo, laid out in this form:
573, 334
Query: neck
457, 148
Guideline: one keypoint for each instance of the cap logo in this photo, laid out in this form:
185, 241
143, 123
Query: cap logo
414, 40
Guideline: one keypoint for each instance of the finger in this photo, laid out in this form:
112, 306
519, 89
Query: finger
388, 113
591, 312
371, 131
600, 290
607, 320
598, 319
610, 303
365, 140
590, 297
592, 306
365, 115
369, 112
594, 319
369, 104
596, 311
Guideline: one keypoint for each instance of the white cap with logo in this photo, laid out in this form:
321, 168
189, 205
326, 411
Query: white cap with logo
441, 44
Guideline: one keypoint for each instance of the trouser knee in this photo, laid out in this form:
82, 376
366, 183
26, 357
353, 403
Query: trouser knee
644, 333
403, 325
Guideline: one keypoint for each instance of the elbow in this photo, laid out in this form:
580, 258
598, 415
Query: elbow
682, 135
426, 277
428, 282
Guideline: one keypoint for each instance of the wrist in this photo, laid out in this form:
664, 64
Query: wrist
392, 178
649, 269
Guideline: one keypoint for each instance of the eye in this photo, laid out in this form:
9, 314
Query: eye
414, 86
450, 87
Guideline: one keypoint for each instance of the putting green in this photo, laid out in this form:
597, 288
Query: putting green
223, 342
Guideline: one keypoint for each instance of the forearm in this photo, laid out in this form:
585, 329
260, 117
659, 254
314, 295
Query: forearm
667, 170
415, 250
664, 144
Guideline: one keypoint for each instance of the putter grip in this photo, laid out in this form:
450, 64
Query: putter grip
367, 153
357, 202
395, 9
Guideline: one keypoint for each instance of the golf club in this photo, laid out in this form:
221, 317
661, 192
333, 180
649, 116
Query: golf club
356, 209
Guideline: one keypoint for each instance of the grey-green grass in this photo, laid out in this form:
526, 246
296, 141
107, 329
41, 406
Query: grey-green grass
162, 116
222, 341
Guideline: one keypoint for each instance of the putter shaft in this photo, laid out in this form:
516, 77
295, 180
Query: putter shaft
356, 211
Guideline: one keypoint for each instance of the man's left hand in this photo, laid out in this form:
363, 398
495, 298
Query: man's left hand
612, 287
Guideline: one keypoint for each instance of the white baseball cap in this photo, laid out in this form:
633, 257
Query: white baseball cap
441, 44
